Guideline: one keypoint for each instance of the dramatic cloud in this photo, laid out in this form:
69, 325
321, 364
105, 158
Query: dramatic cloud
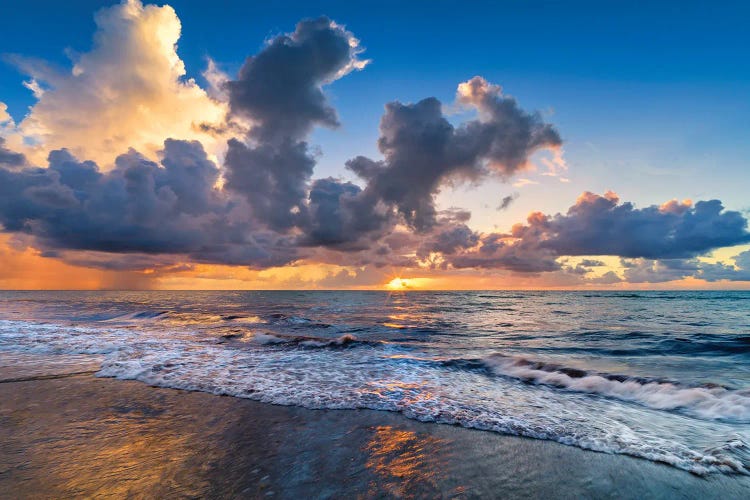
168, 205
279, 91
659, 271
600, 225
423, 150
129, 91
138, 207
343, 216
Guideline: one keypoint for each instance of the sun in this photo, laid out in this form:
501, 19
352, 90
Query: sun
399, 284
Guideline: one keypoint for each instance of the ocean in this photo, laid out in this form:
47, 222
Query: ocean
663, 376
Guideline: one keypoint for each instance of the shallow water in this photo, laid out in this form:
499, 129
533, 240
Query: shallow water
657, 375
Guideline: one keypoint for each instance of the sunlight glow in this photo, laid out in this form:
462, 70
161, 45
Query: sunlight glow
399, 284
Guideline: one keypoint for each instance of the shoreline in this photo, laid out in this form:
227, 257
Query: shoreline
81, 435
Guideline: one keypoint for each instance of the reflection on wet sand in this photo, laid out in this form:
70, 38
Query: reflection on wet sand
404, 461
95, 438
88, 437
124, 453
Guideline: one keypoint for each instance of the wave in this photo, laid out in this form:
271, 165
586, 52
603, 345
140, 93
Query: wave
266, 338
137, 315
709, 401
497, 393
421, 394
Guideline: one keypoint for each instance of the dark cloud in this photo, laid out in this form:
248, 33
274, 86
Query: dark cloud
591, 263
506, 201
343, 216
659, 271
448, 241
9, 158
139, 207
740, 271
273, 179
280, 91
600, 225
608, 278
497, 251
662, 270
422, 150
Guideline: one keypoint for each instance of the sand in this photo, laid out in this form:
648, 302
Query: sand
85, 436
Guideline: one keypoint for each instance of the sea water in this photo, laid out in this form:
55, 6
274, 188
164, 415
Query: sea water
663, 376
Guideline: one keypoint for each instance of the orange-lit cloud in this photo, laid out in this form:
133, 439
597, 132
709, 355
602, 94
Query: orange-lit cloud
127, 92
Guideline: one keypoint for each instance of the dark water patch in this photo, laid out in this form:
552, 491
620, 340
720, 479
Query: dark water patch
273, 339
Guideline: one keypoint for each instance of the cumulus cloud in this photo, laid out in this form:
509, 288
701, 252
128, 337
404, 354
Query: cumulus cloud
344, 217
659, 271
422, 150
129, 91
279, 90
165, 203
5, 118
601, 225
140, 206
662, 270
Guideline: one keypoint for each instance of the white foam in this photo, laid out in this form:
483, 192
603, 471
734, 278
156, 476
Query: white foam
269, 368
266, 338
716, 403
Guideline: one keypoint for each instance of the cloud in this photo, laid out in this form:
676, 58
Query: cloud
129, 91
4, 116
140, 206
600, 225
608, 278
740, 271
423, 151
341, 215
279, 90
658, 271
166, 206
9, 158
506, 201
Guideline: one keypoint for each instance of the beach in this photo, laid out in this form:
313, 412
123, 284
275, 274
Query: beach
85, 436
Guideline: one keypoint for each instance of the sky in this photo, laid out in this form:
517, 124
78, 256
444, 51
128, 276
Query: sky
417, 145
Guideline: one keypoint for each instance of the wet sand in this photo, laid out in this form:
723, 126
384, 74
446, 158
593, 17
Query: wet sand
85, 436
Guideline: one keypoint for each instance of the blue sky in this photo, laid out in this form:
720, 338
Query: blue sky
651, 99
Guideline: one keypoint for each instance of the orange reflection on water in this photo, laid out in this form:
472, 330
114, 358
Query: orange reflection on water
408, 392
398, 321
405, 461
